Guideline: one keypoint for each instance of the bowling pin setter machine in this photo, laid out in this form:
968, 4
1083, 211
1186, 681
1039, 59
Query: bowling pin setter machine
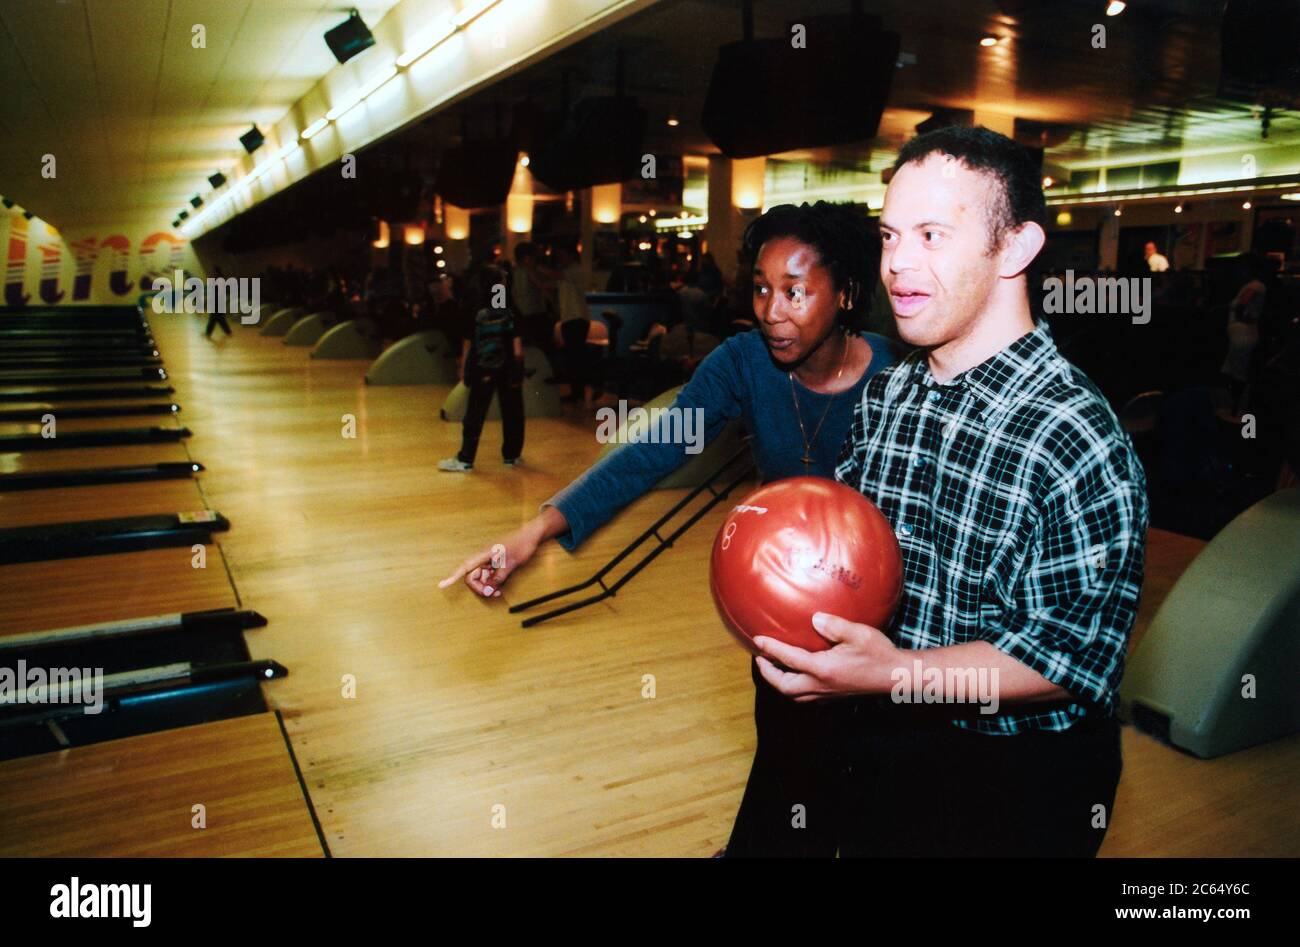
1216, 672
740, 461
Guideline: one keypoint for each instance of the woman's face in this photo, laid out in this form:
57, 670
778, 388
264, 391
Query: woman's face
795, 300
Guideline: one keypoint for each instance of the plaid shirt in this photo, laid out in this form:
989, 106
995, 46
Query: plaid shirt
1021, 511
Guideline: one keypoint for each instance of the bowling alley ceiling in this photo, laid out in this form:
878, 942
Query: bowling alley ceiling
1153, 90
138, 119
135, 116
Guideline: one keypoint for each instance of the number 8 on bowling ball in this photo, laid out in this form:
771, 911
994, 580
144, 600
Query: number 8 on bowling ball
799, 546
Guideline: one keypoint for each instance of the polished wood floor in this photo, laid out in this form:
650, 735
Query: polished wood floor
138, 797
428, 722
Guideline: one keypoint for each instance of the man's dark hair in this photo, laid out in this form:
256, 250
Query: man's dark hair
1018, 196
843, 237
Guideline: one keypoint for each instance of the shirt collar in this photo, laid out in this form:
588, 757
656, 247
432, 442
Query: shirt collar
997, 382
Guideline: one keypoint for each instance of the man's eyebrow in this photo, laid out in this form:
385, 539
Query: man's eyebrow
886, 225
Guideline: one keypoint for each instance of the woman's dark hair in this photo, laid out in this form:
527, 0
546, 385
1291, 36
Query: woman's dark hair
846, 244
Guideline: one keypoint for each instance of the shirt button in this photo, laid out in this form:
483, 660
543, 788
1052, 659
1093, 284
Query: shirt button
934, 397
918, 462
904, 531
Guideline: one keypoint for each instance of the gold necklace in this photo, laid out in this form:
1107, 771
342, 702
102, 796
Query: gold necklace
798, 416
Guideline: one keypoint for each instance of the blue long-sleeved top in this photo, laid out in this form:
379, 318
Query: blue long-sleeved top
737, 379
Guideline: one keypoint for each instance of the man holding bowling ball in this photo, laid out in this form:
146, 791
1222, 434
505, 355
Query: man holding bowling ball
1020, 510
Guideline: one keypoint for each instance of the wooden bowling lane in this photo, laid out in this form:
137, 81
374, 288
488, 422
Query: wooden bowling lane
136, 797
64, 592
108, 501
1171, 804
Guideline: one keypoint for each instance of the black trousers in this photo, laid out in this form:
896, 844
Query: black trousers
217, 319
867, 778
505, 385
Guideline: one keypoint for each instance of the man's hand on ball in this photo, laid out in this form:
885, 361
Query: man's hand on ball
859, 661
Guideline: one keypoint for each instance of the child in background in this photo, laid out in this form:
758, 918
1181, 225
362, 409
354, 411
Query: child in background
492, 361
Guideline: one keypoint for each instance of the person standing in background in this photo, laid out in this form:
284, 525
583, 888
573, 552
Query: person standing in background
1157, 262
570, 286
1244, 314
531, 286
491, 362
216, 317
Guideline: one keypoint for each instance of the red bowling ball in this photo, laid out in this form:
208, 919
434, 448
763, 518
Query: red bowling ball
799, 546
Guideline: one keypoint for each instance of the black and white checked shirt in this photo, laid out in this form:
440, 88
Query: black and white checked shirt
1021, 510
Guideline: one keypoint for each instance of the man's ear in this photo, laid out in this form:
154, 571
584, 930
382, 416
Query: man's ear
1020, 248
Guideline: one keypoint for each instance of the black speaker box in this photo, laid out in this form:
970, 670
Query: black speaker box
1260, 52
601, 143
477, 174
766, 96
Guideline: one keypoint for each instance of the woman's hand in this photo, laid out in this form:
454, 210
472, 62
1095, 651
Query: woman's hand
487, 570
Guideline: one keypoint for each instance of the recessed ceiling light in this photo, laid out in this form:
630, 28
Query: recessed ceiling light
1116, 7
989, 40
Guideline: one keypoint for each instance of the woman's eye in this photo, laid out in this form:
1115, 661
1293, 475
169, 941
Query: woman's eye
933, 237
759, 290
886, 237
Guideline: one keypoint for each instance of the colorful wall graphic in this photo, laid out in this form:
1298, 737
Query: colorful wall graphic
44, 267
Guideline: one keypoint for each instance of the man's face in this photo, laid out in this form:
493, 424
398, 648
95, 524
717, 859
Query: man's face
1149, 249
935, 260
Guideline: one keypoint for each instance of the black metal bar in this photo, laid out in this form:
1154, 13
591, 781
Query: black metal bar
36, 414
97, 476
598, 577
77, 346
72, 333
104, 537
110, 438
84, 376
213, 619
611, 591
97, 315
84, 394
23, 361
200, 679
628, 550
